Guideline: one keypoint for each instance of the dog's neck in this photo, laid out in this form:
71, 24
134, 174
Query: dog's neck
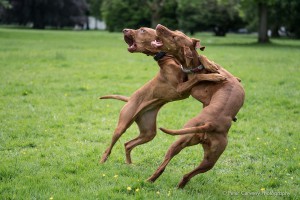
159, 55
196, 61
195, 66
162, 57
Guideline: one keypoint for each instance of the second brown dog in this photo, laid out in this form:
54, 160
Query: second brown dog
221, 103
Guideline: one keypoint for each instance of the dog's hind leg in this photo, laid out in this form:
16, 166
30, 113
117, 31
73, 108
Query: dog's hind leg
175, 148
126, 118
212, 151
147, 127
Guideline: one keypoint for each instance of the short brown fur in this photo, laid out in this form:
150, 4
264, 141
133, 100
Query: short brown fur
144, 104
221, 102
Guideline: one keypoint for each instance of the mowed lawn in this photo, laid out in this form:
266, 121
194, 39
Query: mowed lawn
54, 129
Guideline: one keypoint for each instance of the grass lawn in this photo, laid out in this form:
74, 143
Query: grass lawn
54, 129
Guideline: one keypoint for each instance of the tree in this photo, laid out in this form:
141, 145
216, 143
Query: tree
189, 16
94, 10
155, 7
42, 13
168, 15
293, 17
285, 14
225, 16
129, 14
263, 22
217, 15
4, 5
262, 7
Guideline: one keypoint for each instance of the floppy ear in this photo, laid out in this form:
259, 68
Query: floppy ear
188, 55
209, 65
197, 44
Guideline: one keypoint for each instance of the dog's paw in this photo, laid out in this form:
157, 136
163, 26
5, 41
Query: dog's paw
209, 65
220, 77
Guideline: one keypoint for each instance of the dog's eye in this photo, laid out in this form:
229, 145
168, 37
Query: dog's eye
142, 31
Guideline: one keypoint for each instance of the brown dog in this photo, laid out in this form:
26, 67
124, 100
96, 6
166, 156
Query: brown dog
144, 104
221, 101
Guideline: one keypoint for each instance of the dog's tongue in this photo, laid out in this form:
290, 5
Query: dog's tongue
156, 43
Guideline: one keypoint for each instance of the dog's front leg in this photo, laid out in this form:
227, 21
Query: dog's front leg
188, 85
208, 65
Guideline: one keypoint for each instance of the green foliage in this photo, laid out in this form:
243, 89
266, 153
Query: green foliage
286, 13
168, 16
219, 16
57, 13
131, 15
119, 14
280, 13
53, 127
95, 8
191, 15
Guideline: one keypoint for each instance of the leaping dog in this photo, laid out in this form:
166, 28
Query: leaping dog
221, 102
144, 104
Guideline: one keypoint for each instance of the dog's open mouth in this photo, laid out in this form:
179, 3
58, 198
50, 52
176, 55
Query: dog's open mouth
156, 43
131, 43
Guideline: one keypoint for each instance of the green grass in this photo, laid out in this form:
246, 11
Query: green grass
53, 128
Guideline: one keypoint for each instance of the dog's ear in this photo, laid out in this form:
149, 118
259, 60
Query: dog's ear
188, 55
197, 44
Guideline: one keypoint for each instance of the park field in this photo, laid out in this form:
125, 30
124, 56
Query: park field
54, 129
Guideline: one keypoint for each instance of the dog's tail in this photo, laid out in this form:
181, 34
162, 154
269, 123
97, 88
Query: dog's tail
197, 129
118, 97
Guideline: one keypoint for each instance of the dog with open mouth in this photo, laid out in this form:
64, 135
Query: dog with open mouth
143, 105
221, 103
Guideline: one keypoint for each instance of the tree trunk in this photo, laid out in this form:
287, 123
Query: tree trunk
155, 7
155, 18
263, 23
87, 22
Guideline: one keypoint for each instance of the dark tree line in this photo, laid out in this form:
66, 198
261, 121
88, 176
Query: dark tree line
264, 15
191, 16
187, 15
219, 16
42, 13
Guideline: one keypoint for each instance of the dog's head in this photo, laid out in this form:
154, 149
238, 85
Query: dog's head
139, 40
176, 43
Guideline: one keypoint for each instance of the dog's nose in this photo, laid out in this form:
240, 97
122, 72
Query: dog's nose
125, 30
